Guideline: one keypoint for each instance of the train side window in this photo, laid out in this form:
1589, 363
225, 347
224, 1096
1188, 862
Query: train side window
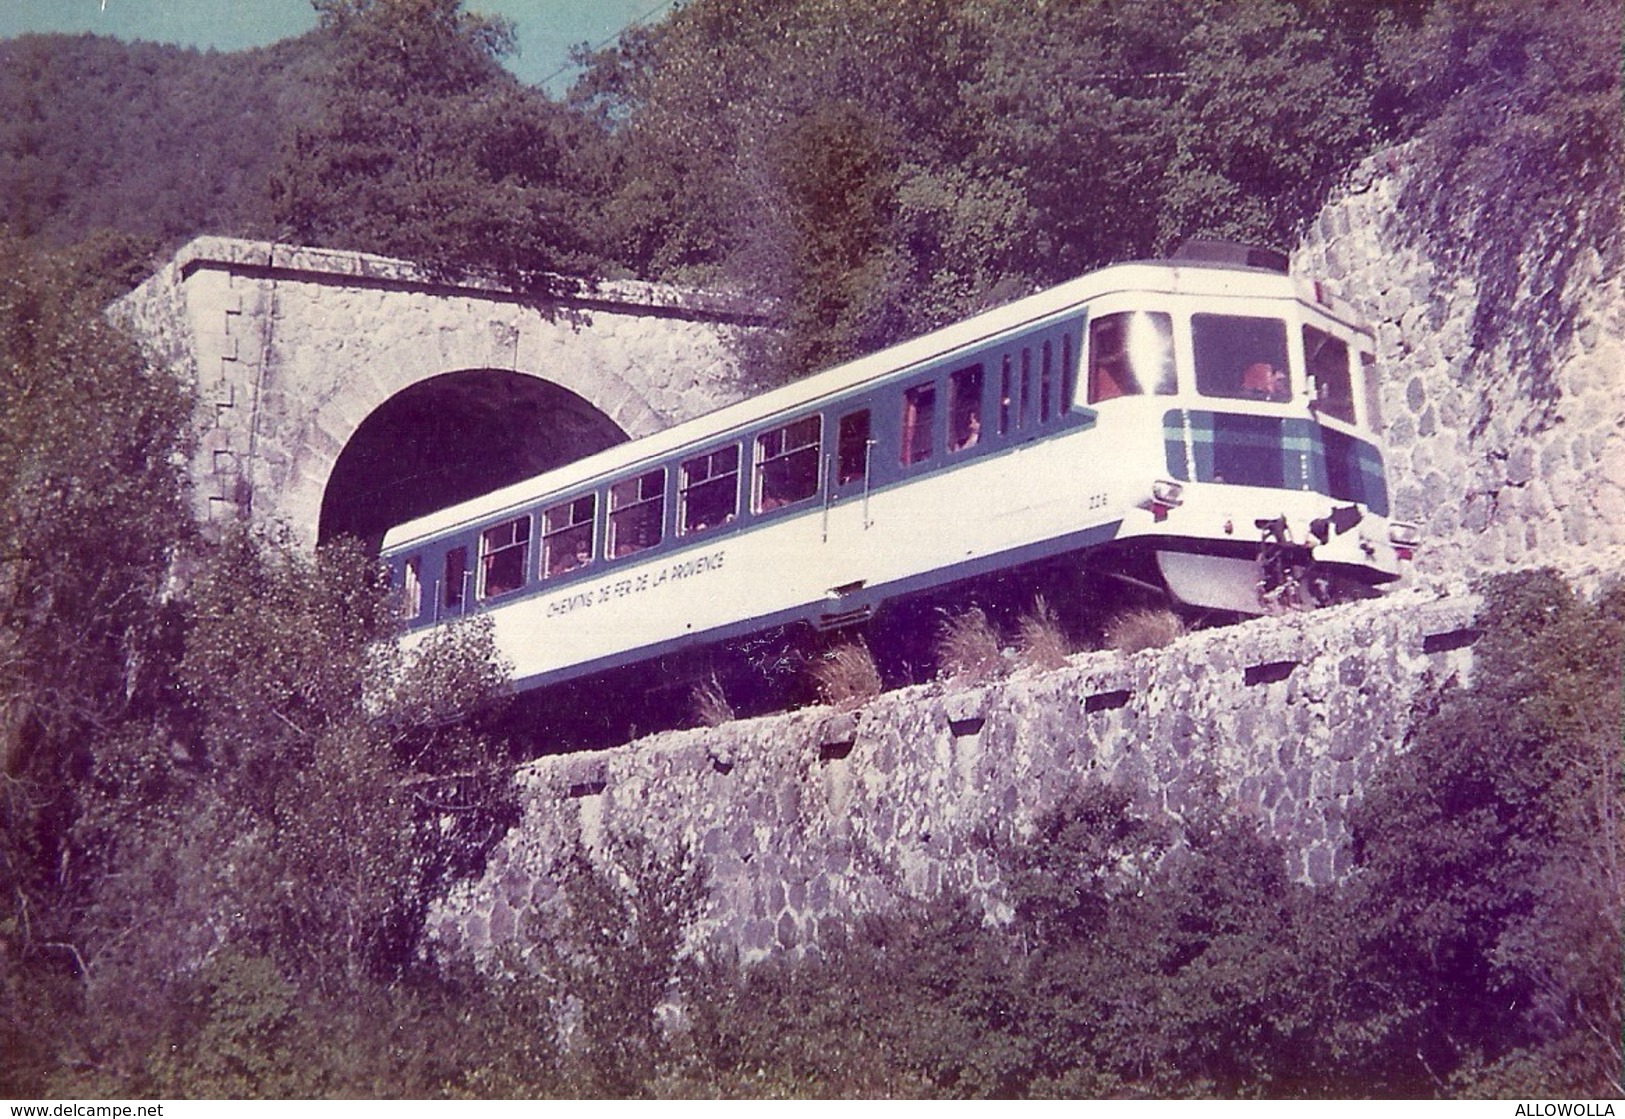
1129, 351
637, 513
412, 587
708, 490
451, 591
1240, 356
502, 557
852, 448
1326, 357
1006, 405
965, 407
919, 417
567, 535
787, 463
1373, 390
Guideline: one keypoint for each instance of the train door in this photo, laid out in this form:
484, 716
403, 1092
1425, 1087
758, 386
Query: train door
849, 476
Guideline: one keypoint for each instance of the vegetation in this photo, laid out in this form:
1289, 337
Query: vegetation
1143, 628
968, 649
425, 148
890, 167
846, 674
1041, 640
147, 140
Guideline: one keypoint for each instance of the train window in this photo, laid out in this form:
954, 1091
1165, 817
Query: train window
1006, 407
1327, 359
1046, 379
637, 512
965, 407
412, 587
1373, 391
451, 591
708, 490
1131, 353
1240, 356
567, 535
919, 417
502, 557
787, 463
852, 448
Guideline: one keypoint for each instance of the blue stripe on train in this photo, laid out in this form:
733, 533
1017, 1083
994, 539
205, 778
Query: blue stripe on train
1275, 452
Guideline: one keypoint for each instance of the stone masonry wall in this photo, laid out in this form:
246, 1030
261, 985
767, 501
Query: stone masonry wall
806, 820
1495, 480
291, 348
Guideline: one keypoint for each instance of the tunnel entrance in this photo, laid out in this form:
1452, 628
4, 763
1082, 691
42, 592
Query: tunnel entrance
451, 438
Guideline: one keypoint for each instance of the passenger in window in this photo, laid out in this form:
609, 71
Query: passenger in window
1262, 381
580, 556
969, 432
1104, 384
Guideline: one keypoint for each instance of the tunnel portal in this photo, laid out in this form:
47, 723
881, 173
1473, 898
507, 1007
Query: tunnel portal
450, 438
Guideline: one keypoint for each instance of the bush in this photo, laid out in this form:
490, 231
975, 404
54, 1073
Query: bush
967, 648
1490, 885
846, 675
1144, 628
615, 956
1041, 641
710, 706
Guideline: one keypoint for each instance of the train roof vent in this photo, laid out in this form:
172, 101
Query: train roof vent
1232, 253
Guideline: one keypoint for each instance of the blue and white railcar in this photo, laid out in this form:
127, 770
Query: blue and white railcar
1204, 414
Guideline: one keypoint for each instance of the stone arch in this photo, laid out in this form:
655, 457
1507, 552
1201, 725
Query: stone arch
297, 353
452, 437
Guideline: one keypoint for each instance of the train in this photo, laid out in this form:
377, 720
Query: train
1208, 420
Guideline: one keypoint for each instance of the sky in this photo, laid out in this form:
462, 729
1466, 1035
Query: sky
547, 29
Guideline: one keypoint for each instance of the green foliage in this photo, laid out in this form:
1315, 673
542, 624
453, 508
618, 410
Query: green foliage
1491, 886
90, 511
1520, 166
146, 139
349, 804
896, 166
616, 956
424, 148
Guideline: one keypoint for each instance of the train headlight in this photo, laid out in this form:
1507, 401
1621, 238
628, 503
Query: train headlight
1405, 537
1164, 492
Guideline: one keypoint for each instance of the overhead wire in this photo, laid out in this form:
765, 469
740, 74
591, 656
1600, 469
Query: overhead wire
639, 21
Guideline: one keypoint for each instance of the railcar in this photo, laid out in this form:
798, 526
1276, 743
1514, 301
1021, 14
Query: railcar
1209, 414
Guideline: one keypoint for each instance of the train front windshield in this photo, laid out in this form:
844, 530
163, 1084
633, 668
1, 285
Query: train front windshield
1250, 358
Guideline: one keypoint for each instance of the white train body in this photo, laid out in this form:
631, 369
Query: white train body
1200, 413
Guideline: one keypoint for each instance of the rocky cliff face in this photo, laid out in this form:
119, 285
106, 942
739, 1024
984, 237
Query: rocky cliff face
1496, 479
807, 820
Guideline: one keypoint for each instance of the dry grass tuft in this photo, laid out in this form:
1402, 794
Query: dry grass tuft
709, 706
1040, 641
846, 676
968, 648
1144, 628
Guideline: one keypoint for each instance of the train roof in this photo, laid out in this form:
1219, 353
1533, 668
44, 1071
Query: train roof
1179, 276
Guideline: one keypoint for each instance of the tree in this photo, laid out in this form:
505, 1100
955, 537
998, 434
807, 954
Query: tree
188, 150
877, 170
92, 439
425, 148
1490, 885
